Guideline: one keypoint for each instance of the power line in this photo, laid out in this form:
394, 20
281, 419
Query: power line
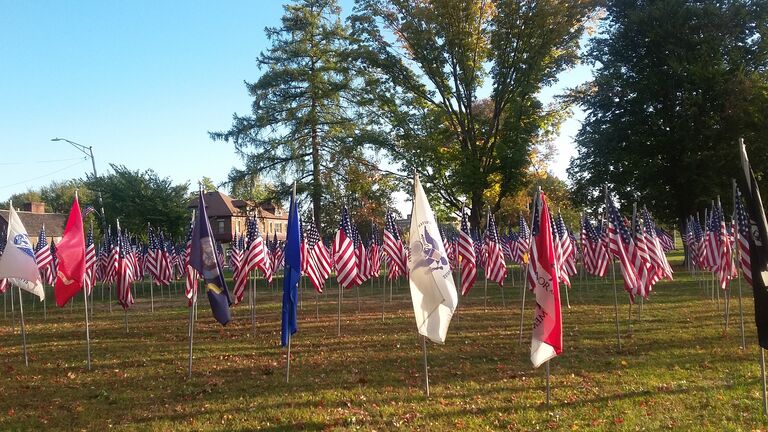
44, 175
45, 161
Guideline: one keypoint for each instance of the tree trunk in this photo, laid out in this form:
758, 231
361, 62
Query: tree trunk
476, 210
317, 193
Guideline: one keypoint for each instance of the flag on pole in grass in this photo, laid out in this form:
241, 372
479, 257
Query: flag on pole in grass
393, 248
318, 258
344, 254
44, 258
292, 266
495, 268
191, 275
124, 273
71, 254
205, 260
90, 263
547, 338
742, 237
466, 252
758, 248
619, 242
17, 263
432, 288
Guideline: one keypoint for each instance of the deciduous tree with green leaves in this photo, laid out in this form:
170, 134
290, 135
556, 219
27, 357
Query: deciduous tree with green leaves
677, 82
455, 84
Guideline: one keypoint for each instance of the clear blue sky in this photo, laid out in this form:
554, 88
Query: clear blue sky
141, 81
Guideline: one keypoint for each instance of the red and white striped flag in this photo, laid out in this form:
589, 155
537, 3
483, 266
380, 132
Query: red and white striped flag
466, 253
318, 258
393, 248
495, 268
344, 254
547, 338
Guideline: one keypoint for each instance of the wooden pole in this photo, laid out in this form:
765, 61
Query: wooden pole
288, 363
548, 390
616, 302
191, 331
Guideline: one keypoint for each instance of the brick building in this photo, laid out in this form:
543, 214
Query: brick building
228, 216
33, 217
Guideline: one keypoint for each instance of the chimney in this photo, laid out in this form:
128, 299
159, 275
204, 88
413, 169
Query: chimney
34, 207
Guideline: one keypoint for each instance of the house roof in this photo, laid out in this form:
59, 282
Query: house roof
54, 222
220, 204
270, 210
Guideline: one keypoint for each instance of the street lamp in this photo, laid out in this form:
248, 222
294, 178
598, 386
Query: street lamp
88, 151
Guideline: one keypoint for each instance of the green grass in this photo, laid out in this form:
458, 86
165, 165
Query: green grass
676, 370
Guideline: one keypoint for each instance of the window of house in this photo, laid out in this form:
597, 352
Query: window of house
279, 227
221, 226
270, 227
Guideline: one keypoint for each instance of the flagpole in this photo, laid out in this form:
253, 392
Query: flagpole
383, 292
252, 297
548, 390
741, 316
288, 363
339, 315
13, 309
762, 374
485, 267
87, 328
616, 302
426, 366
524, 272
191, 331
24, 330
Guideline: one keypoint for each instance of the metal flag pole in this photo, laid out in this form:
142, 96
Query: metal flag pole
523, 271
741, 319
339, 314
252, 298
13, 310
762, 374
45, 307
736, 247
548, 390
383, 292
357, 288
288, 363
485, 268
630, 314
456, 312
317, 306
616, 302
426, 366
191, 331
23, 330
87, 328
5, 304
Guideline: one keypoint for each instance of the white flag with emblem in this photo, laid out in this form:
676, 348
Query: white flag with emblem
432, 288
17, 263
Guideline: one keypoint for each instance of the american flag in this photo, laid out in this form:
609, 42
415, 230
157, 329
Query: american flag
726, 266
712, 241
393, 247
319, 262
466, 252
567, 251
191, 276
619, 241
644, 267
44, 258
496, 268
373, 253
587, 252
665, 239
124, 273
154, 257
235, 254
742, 238
363, 265
600, 257
523, 240
258, 253
655, 248
344, 255
89, 281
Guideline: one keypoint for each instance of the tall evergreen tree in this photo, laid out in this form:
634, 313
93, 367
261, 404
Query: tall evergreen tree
302, 123
677, 82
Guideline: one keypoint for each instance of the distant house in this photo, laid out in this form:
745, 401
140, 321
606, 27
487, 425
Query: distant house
228, 216
33, 217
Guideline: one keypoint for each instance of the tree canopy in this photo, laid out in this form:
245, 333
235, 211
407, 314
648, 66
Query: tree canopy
455, 84
677, 82
138, 197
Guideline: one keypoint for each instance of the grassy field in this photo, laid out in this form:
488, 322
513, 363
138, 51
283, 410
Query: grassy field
677, 368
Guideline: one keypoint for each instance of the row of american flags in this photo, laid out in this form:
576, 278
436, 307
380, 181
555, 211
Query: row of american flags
121, 259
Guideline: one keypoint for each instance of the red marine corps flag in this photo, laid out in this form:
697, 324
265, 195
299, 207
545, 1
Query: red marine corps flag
547, 340
71, 255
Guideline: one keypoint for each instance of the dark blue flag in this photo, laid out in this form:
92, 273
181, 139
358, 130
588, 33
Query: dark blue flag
204, 259
292, 273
